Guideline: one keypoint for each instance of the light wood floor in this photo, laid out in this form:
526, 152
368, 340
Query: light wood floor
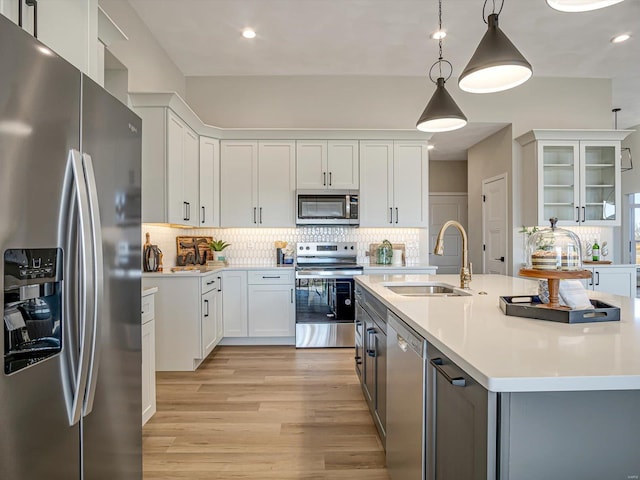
263, 413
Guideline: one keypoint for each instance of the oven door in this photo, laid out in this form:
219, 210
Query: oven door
325, 312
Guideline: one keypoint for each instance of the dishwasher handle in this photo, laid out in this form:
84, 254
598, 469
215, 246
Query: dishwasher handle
437, 363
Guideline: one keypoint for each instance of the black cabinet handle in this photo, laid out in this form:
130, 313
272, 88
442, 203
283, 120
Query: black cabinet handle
584, 214
207, 304
202, 214
254, 215
329, 178
324, 179
455, 381
597, 278
188, 211
577, 214
29, 3
292, 295
501, 259
371, 351
211, 282
261, 215
219, 284
390, 214
184, 207
275, 276
397, 215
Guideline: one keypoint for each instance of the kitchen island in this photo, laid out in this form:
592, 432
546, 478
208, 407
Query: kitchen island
543, 399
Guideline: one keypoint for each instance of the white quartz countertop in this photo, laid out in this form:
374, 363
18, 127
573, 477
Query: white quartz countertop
204, 271
512, 354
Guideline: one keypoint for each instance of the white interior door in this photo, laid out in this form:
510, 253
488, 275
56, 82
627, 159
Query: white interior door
441, 209
494, 224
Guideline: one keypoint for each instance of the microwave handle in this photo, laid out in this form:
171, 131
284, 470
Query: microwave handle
348, 206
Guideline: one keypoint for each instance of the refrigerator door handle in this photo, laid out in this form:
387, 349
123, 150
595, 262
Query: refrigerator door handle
76, 378
97, 295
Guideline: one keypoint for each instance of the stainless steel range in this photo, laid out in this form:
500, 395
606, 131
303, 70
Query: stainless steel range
325, 295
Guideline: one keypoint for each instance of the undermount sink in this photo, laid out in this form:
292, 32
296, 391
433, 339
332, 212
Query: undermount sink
428, 290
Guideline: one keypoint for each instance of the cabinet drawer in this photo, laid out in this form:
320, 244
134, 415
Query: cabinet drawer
147, 308
209, 283
270, 277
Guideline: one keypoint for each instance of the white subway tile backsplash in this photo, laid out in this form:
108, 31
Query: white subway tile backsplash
255, 246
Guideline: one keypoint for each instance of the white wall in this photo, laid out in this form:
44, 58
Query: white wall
447, 176
391, 102
489, 158
150, 68
630, 184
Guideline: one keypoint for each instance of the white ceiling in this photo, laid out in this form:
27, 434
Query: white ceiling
391, 37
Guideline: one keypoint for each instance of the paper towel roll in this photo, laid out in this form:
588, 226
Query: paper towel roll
397, 258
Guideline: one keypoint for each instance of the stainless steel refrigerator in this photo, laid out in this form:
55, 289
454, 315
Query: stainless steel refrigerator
70, 156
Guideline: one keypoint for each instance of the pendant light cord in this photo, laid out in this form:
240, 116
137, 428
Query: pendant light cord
484, 8
440, 39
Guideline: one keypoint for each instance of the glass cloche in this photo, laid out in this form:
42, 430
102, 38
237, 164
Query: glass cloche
554, 249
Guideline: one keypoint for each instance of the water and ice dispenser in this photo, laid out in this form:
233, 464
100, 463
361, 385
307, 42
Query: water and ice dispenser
32, 306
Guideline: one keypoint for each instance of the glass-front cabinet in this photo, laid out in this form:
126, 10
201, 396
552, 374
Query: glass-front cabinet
573, 175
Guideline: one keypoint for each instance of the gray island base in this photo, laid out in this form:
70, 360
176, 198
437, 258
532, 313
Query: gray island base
514, 398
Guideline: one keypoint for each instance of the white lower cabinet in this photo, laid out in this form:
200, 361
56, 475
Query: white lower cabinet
188, 319
148, 358
618, 280
211, 321
271, 304
234, 303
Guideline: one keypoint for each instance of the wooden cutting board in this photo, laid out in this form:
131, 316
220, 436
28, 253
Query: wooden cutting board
598, 262
186, 253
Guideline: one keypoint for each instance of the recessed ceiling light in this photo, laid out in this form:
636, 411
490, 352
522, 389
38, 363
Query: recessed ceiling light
248, 33
580, 5
430, 147
621, 38
438, 34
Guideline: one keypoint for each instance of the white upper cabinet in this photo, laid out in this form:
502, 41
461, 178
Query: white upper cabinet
68, 27
394, 180
209, 212
573, 175
170, 168
376, 183
410, 184
276, 183
311, 163
182, 166
257, 183
238, 183
343, 165
332, 164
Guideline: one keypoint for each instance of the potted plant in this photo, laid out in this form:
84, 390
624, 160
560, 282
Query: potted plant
217, 247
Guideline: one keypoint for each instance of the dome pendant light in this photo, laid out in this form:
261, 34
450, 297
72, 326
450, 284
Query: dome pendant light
441, 113
496, 65
580, 5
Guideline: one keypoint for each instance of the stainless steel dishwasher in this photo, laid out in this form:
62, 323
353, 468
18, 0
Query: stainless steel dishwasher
405, 401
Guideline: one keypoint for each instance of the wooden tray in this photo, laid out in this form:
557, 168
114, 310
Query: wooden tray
597, 262
188, 254
530, 306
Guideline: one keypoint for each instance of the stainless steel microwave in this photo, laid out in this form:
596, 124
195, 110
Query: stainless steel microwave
327, 207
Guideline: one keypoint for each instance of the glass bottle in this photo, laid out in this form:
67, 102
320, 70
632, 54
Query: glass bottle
595, 251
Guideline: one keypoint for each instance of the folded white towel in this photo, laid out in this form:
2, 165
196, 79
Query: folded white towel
574, 295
